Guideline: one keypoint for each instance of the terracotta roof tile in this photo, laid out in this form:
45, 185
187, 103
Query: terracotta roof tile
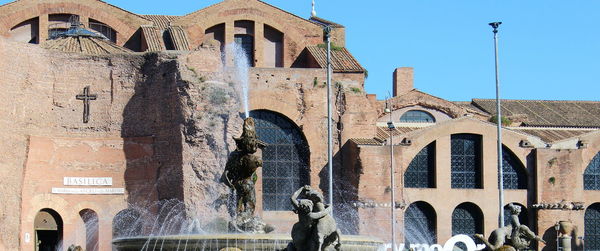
362, 141
178, 38
547, 113
161, 21
383, 132
85, 45
153, 36
341, 60
325, 22
552, 134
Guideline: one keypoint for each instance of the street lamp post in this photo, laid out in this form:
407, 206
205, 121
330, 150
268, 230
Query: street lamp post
495, 25
327, 30
391, 127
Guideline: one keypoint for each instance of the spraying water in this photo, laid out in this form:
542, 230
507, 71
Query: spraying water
241, 67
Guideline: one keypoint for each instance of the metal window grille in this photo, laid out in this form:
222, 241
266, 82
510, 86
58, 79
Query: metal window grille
416, 116
466, 161
421, 170
285, 159
513, 172
591, 176
466, 220
419, 224
592, 227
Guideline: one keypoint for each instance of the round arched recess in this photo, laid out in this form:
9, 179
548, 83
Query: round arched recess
420, 224
286, 158
592, 227
90, 221
523, 215
513, 171
48, 228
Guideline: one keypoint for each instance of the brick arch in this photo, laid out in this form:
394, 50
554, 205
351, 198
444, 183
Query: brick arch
125, 28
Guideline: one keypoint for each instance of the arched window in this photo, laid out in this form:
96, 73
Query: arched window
48, 227
466, 161
419, 224
421, 170
591, 176
285, 159
592, 227
513, 172
90, 220
467, 219
523, 219
417, 116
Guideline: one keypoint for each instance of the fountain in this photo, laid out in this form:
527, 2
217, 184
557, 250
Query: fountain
168, 226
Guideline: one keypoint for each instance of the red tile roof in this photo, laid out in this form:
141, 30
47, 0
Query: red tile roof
341, 60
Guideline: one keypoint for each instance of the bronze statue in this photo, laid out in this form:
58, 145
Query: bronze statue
240, 176
316, 229
515, 236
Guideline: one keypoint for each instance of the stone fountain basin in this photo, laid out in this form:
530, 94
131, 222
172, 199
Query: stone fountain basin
218, 242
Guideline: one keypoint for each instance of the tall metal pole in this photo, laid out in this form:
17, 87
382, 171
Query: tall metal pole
495, 25
329, 130
392, 179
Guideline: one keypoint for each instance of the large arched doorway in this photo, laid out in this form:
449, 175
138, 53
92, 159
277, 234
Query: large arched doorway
286, 160
90, 220
48, 228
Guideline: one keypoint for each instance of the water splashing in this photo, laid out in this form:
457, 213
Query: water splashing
241, 66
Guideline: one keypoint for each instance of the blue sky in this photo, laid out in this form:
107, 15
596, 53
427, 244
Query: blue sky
548, 49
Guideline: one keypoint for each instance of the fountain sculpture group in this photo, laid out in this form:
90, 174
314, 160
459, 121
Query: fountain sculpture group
514, 236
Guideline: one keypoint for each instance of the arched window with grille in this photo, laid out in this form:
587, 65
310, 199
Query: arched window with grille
420, 224
466, 161
421, 170
467, 219
285, 159
417, 116
591, 176
592, 227
514, 175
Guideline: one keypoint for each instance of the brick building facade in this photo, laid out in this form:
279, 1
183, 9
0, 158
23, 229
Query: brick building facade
163, 109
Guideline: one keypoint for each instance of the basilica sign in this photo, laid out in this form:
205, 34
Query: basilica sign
87, 181
96, 184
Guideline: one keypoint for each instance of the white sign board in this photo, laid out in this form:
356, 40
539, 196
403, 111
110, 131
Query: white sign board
62, 190
87, 181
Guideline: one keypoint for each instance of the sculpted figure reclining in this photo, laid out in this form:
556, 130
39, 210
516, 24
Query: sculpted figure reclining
515, 236
316, 229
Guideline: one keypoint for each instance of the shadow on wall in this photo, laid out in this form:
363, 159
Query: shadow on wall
345, 184
151, 126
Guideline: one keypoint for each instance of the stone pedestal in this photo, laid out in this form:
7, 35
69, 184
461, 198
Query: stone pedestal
565, 243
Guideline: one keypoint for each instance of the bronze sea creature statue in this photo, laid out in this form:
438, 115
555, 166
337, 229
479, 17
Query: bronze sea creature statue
240, 176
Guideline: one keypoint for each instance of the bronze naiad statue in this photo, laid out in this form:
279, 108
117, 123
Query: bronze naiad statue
316, 229
240, 176
515, 236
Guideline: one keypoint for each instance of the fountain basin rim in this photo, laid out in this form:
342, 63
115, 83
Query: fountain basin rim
282, 237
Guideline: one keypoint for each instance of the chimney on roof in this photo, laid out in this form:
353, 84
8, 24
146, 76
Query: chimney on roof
403, 80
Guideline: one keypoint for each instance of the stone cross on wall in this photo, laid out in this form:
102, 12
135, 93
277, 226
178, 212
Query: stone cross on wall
86, 97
